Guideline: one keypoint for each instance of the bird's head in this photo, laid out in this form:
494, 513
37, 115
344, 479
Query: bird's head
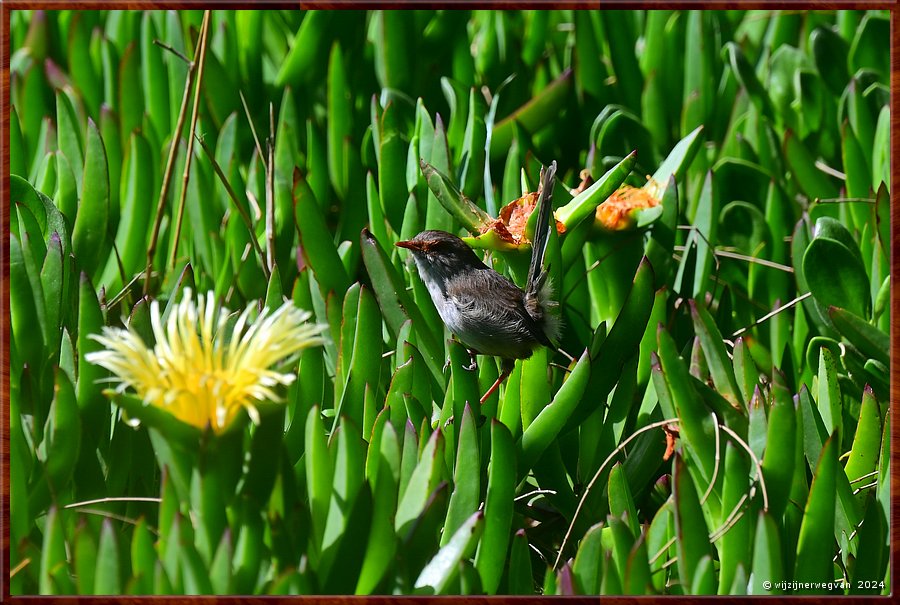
441, 253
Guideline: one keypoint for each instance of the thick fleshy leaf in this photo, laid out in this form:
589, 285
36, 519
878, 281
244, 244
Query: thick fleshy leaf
391, 165
866, 440
815, 547
339, 116
319, 472
438, 573
520, 579
108, 562
861, 334
836, 277
422, 482
621, 502
459, 206
881, 155
498, 508
317, 241
812, 181
303, 62
720, 367
691, 532
17, 153
585, 203
767, 568
748, 79
382, 543
551, 420
778, 461
89, 240
394, 301
697, 423
735, 543
25, 313
533, 115
70, 137
679, 159
54, 575
587, 567
622, 342
466, 495
350, 513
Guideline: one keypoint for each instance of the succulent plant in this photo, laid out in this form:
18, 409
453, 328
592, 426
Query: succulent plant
715, 421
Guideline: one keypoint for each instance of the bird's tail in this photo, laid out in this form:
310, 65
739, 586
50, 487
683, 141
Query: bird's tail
538, 293
536, 272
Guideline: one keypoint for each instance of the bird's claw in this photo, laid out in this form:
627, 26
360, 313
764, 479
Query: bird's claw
473, 362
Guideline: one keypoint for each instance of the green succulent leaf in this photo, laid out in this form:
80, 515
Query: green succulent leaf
459, 206
814, 548
584, 204
498, 508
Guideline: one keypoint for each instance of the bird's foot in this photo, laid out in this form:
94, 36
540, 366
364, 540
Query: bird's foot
473, 365
473, 362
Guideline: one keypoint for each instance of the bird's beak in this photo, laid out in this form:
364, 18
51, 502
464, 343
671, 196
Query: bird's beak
409, 244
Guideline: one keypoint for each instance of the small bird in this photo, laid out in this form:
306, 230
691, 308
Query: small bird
487, 312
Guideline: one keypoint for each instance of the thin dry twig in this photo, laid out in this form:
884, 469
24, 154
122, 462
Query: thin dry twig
115, 517
177, 53
22, 565
204, 35
715, 476
596, 476
866, 476
744, 257
772, 314
859, 489
845, 200
662, 550
170, 167
259, 151
242, 212
117, 499
759, 473
830, 171
536, 492
733, 517
270, 191
124, 291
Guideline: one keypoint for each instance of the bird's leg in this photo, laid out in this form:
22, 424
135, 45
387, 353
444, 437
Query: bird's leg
506, 369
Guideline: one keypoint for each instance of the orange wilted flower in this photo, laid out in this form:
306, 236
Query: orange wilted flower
618, 212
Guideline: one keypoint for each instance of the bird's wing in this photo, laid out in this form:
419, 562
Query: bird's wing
493, 307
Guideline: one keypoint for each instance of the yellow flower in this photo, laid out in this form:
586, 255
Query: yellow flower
201, 372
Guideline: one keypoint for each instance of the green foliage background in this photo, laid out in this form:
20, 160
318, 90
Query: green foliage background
381, 473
